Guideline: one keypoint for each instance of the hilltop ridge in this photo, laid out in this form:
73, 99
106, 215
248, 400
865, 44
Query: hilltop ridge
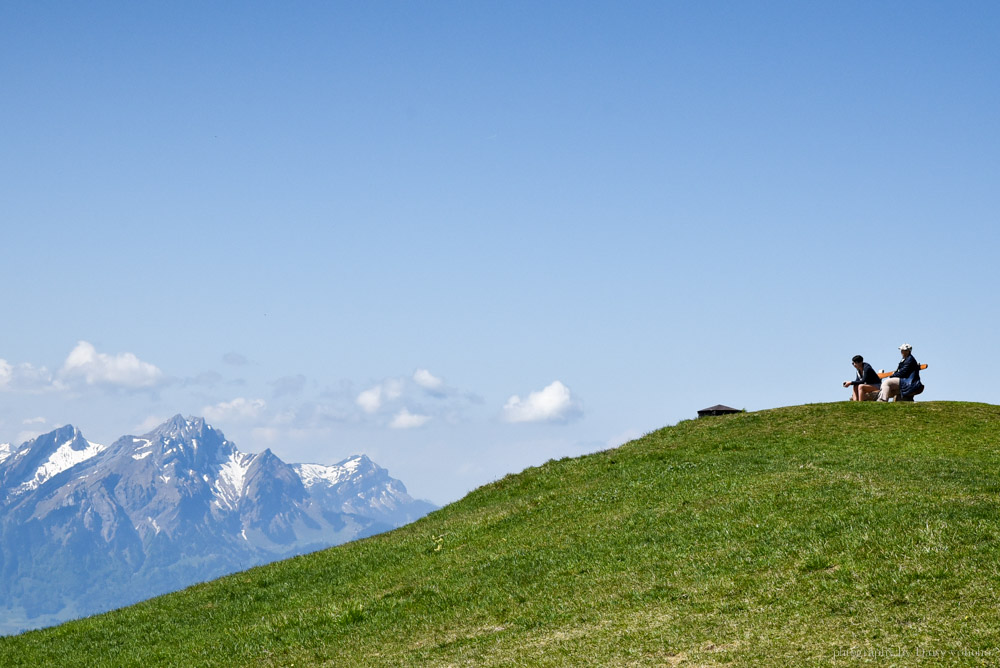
801, 535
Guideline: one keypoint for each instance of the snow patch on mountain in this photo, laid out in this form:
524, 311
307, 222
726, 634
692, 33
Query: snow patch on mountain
5, 451
63, 458
312, 474
228, 486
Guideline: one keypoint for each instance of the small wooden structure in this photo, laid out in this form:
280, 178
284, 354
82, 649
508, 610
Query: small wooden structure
718, 409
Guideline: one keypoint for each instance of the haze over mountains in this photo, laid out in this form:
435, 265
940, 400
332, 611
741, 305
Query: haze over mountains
85, 527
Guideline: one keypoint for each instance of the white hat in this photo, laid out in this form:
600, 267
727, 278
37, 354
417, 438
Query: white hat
906, 346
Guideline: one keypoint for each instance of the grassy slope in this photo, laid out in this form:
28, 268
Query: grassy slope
830, 534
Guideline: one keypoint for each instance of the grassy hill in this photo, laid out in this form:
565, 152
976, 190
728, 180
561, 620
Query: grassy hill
830, 534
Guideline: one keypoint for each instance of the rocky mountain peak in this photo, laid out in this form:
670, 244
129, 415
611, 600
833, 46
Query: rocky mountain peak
178, 505
180, 427
42, 458
190, 440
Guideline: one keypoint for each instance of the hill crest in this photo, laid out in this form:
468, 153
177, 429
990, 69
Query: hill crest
791, 536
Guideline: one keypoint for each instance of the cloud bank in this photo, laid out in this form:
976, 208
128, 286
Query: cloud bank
25, 378
406, 420
123, 370
240, 408
427, 380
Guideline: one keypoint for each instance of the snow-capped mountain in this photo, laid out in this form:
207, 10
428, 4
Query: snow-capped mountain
87, 527
359, 486
46, 457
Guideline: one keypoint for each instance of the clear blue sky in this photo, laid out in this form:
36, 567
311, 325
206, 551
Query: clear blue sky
468, 237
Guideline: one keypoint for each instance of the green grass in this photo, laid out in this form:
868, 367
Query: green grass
829, 534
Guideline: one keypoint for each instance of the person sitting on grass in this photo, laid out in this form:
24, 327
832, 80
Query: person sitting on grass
864, 387
904, 383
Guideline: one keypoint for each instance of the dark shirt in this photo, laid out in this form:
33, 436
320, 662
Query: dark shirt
907, 368
867, 376
908, 373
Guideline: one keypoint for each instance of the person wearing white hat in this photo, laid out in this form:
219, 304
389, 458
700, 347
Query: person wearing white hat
905, 381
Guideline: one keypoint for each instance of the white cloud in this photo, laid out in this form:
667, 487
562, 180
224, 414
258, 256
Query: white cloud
240, 409
551, 404
427, 380
121, 370
393, 388
407, 420
370, 400
37, 420
390, 400
26, 378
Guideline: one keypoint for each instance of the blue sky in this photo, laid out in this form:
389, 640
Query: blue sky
465, 238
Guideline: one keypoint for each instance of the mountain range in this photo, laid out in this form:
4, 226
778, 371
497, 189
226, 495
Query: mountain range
85, 528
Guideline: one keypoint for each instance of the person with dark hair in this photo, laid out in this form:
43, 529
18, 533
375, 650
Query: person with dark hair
904, 383
864, 387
